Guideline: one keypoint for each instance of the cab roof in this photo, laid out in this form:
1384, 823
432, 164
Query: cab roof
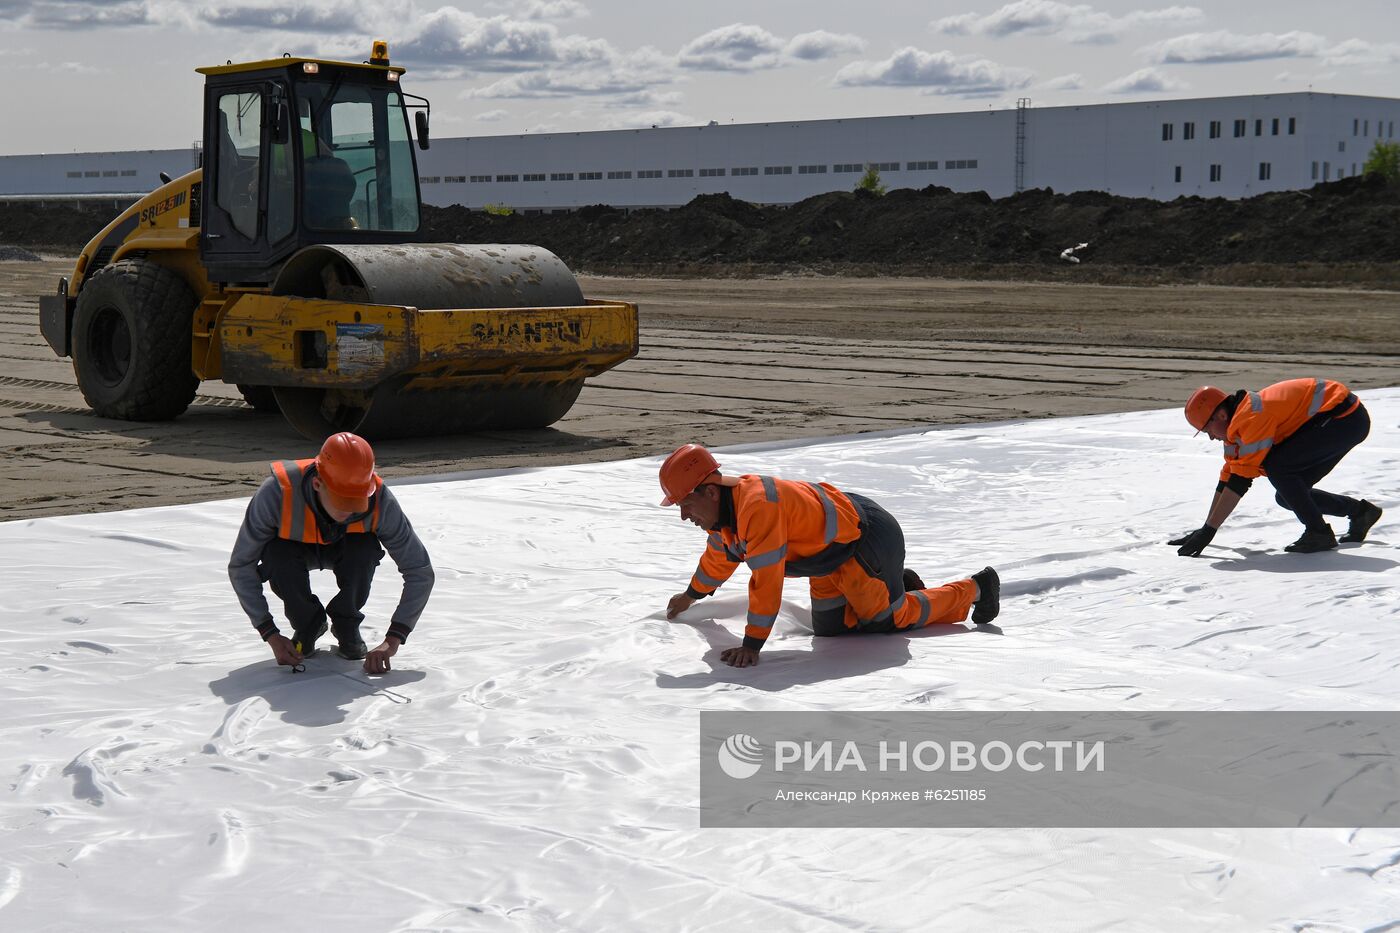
289, 60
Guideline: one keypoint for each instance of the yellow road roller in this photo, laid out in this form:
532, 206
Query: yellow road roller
289, 264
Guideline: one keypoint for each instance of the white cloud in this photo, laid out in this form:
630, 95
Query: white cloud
542, 84
1361, 52
316, 16
85, 14
1144, 81
1208, 48
736, 47
451, 41
813, 46
1071, 22
76, 68
554, 9
492, 116
648, 119
1069, 82
935, 72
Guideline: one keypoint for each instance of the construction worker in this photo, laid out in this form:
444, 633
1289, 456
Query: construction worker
328, 513
1294, 433
851, 548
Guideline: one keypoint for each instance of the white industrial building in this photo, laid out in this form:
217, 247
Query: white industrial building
1229, 147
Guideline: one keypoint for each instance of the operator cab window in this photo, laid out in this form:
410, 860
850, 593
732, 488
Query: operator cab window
240, 149
357, 164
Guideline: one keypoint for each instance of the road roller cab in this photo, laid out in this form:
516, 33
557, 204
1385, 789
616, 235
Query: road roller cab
303, 151
290, 264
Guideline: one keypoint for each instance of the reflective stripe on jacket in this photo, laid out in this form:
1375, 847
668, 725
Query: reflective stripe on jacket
1270, 416
298, 520
778, 523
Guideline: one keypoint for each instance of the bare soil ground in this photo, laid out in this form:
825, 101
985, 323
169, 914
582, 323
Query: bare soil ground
730, 361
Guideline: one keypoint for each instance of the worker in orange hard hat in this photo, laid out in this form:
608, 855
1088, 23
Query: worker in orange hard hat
851, 549
333, 513
1294, 433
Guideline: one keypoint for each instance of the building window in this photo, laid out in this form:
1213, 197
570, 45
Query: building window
615, 176
1266, 171
561, 176
744, 170
1239, 128
1188, 131
1214, 129
1258, 127
960, 163
128, 173
777, 169
1215, 172
922, 166
1292, 125
1342, 146
649, 173
1178, 174
842, 167
712, 173
1326, 170
1365, 127
680, 173
454, 179
534, 176
1273, 128
478, 179
593, 176
1166, 132
430, 180
1356, 127
811, 170
92, 174
75, 174
507, 177
1314, 171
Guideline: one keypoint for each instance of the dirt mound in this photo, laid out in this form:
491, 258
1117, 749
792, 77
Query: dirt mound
15, 254
1348, 228
1352, 221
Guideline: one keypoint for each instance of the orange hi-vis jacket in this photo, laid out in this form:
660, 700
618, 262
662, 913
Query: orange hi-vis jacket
298, 521
1270, 416
778, 522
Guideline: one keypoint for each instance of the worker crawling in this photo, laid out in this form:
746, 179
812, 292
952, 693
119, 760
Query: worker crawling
333, 513
850, 547
1294, 433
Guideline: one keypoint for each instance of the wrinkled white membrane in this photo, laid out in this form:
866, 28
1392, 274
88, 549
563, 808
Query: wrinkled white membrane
531, 762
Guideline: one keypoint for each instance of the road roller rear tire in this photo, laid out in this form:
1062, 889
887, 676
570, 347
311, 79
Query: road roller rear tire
261, 398
131, 342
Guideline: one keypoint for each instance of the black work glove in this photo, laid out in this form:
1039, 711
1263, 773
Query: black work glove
1193, 544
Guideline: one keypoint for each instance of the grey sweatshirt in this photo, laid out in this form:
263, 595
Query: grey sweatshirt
395, 534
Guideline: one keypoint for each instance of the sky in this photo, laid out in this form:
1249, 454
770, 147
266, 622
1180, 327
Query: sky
110, 75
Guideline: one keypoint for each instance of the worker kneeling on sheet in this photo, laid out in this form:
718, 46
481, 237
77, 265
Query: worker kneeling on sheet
852, 550
329, 513
1294, 433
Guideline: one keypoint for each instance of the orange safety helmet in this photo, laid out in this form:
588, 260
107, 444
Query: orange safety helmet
1202, 404
346, 467
684, 470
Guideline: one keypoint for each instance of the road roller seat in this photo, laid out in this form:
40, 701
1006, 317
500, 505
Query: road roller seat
330, 185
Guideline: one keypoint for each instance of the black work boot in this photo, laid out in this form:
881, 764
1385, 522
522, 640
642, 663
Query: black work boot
305, 642
350, 645
988, 603
912, 581
1367, 515
1313, 540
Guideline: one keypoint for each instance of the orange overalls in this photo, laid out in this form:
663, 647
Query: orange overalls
852, 550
